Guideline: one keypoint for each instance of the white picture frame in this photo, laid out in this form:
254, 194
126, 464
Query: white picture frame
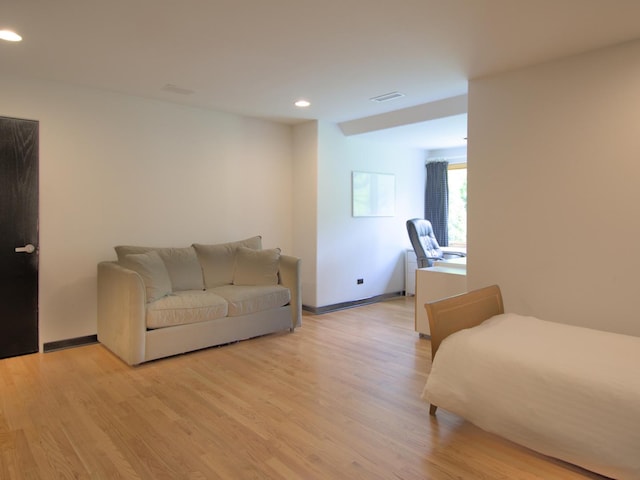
373, 194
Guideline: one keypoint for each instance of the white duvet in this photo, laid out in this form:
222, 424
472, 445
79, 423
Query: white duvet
568, 392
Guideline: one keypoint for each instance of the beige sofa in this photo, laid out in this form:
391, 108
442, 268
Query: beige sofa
157, 302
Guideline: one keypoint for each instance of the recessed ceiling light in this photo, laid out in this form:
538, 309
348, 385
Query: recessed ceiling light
10, 36
302, 103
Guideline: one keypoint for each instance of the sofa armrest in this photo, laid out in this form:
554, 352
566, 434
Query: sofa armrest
290, 277
121, 312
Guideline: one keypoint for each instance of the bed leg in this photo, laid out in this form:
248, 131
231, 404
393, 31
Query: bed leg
432, 409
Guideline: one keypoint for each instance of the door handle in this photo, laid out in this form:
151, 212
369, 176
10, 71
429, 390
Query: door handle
28, 248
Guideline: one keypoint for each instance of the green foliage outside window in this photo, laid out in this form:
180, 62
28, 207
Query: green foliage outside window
457, 206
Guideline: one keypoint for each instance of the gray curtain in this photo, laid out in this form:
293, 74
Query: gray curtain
436, 204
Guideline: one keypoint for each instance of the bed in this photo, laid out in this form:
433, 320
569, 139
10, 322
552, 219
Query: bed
568, 392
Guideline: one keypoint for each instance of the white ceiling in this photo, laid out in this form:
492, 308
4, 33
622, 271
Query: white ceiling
255, 57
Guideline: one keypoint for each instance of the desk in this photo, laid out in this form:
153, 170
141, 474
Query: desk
410, 266
454, 262
434, 283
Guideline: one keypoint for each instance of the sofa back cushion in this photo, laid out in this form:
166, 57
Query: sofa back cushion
183, 267
153, 272
181, 263
218, 261
256, 267
124, 250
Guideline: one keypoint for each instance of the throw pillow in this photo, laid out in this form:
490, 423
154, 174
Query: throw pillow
256, 267
218, 260
153, 272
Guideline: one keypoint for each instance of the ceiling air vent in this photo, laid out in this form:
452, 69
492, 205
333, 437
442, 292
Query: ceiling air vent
386, 97
169, 87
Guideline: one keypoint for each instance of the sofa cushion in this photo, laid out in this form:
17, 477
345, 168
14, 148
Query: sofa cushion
256, 267
184, 307
250, 299
153, 272
124, 250
218, 261
182, 264
183, 267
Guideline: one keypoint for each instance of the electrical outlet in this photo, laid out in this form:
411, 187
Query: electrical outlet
360, 281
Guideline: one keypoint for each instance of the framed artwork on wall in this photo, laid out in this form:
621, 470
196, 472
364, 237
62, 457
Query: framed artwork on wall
373, 194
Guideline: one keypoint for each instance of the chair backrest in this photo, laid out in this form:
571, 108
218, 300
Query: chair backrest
424, 242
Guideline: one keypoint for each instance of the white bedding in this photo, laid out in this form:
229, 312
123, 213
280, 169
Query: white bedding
568, 392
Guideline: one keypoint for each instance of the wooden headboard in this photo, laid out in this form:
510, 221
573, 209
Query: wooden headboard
466, 310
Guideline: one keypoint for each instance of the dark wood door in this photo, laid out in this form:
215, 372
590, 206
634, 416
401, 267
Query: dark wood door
18, 237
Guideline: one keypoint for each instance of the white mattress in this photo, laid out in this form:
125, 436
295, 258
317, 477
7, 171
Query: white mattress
568, 392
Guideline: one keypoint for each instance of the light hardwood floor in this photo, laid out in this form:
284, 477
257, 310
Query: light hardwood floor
337, 399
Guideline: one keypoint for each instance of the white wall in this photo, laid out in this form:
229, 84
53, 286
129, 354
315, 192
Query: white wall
349, 248
305, 205
116, 169
554, 164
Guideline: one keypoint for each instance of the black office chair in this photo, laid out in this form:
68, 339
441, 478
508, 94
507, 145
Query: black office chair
424, 242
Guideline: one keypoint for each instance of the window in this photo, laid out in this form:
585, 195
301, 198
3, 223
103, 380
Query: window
457, 204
